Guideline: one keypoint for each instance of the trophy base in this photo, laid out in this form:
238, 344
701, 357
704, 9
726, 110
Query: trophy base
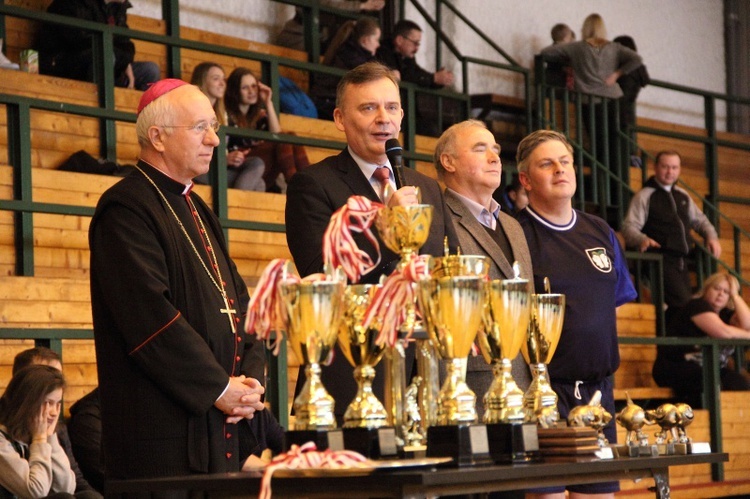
323, 439
467, 444
640, 450
513, 442
698, 447
373, 443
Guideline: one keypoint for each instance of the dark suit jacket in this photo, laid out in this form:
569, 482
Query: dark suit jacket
474, 239
313, 194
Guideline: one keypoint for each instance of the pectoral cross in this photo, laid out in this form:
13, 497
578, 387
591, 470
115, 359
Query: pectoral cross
230, 313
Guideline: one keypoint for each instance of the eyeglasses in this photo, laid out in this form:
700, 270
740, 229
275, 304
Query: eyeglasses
200, 128
416, 43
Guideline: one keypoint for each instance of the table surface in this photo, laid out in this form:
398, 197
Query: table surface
420, 481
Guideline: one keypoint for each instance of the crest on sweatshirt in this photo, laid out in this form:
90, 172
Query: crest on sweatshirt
600, 259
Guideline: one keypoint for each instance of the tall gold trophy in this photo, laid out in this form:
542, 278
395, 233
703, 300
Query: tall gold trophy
365, 419
506, 318
452, 308
314, 311
403, 229
543, 336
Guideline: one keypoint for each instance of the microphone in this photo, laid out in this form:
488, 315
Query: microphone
394, 152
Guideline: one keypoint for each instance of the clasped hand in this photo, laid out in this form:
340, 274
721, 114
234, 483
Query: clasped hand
241, 399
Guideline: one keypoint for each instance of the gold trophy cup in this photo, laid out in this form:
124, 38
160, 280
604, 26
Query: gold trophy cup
403, 229
452, 310
506, 321
543, 335
360, 349
365, 418
314, 310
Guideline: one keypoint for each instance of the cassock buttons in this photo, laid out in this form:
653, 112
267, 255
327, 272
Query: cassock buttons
231, 300
229, 455
238, 358
229, 435
239, 338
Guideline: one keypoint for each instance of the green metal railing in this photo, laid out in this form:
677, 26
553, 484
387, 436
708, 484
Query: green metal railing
603, 175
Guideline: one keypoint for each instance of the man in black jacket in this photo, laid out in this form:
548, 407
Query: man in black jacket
399, 54
67, 52
660, 218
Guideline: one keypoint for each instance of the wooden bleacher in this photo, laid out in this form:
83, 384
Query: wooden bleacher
634, 374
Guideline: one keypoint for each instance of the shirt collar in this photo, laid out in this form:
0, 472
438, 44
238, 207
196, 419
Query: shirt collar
368, 168
486, 217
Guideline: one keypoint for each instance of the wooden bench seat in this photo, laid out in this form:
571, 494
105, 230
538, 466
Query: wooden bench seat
21, 34
634, 375
61, 244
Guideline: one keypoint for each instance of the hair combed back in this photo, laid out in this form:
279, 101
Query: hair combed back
446, 144
364, 73
534, 140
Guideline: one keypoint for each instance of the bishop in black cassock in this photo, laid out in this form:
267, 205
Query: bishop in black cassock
165, 345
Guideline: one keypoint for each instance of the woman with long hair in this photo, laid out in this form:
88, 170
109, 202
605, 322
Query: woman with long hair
245, 170
717, 311
249, 105
597, 64
32, 462
209, 77
355, 43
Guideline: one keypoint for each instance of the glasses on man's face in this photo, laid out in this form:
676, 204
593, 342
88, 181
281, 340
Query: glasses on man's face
416, 43
200, 128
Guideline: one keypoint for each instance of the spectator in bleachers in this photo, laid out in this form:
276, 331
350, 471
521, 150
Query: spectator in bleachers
717, 311
597, 65
557, 74
85, 431
513, 198
660, 218
399, 54
67, 52
359, 42
45, 357
32, 462
249, 105
292, 35
210, 78
631, 85
245, 170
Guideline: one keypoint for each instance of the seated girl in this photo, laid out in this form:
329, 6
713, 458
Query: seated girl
244, 171
249, 105
32, 462
718, 311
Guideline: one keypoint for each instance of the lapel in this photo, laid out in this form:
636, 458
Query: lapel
480, 235
353, 177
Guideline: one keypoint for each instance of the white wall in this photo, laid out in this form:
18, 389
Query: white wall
681, 41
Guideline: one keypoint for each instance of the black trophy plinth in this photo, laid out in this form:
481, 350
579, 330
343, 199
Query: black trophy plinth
324, 439
467, 444
373, 443
513, 442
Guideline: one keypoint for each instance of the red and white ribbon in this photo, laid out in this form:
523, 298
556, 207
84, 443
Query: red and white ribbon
392, 301
339, 247
305, 457
266, 312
